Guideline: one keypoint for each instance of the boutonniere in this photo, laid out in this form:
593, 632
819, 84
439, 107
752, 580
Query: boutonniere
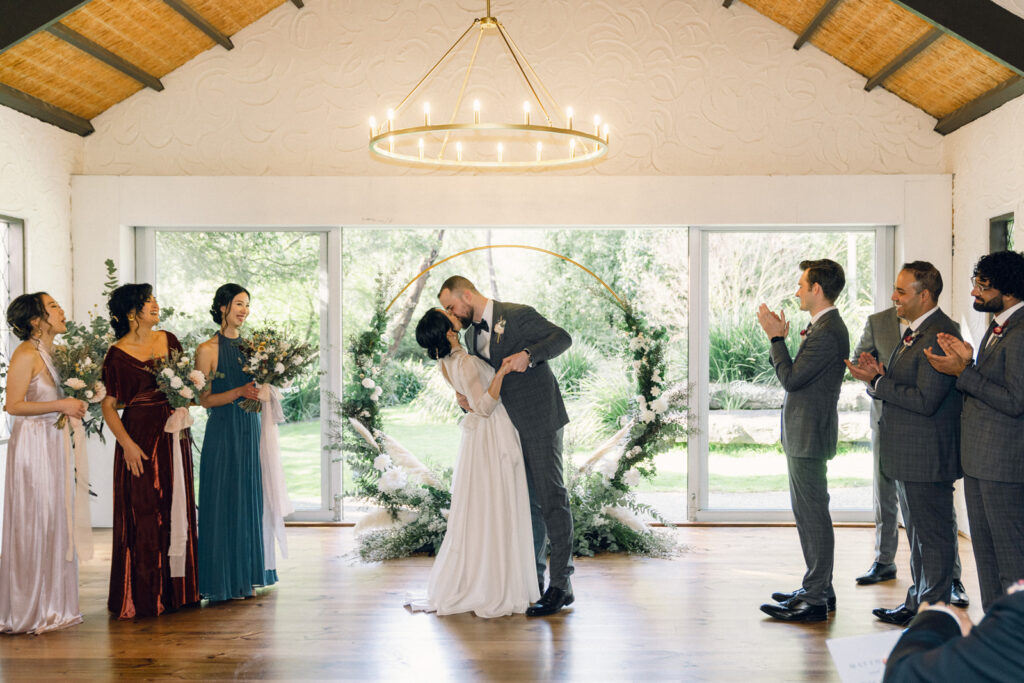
997, 331
911, 336
806, 331
499, 329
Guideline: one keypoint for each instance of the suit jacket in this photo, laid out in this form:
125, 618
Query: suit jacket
919, 431
880, 337
810, 417
992, 442
532, 398
932, 649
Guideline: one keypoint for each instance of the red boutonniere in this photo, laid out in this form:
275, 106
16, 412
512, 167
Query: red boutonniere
997, 331
910, 336
804, 332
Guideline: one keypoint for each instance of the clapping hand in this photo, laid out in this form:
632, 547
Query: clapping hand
958, 355
867, 367
774, 324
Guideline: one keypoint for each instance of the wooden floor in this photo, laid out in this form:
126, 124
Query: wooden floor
694, 618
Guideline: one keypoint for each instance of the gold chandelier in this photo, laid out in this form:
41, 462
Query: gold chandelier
482, 143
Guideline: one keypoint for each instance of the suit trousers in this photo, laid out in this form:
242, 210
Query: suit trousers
549, 506
996, 512
931, 532
808, 492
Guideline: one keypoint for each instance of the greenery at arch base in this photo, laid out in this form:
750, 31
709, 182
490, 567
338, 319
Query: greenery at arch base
607, 517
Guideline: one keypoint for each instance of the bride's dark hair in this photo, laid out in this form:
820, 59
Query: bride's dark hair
125, 300
432, 333
224, 295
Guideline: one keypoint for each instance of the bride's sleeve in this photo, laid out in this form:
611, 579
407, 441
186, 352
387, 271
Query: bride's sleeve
480, 401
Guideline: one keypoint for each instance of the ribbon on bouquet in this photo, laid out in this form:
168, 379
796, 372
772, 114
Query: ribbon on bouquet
76, 491
276, 504
179, 420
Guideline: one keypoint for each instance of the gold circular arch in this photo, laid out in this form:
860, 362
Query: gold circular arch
505, 246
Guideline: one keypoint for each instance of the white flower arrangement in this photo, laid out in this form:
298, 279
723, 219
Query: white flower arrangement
392, 480
631, 477
74, 383
177, 379
382, 462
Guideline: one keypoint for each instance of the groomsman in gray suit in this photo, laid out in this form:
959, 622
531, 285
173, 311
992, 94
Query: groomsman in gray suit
919, 436
810, 430
883, 331
513, 334
993, 422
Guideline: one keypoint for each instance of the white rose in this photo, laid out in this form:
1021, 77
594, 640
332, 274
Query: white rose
647, 416
74, 383
185, 359
88, 395
382, 462
187, 393
392, 480
659, 405
100, 390
279, 368
86, 362
377, 393
167, 372
369, 383
631, 477
182, 362
655, 392
176, 382
197, 378
297, 360
607, 468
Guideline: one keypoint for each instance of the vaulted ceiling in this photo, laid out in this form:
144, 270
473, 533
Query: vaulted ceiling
66, 61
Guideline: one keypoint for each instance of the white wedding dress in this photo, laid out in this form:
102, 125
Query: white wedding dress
486, 563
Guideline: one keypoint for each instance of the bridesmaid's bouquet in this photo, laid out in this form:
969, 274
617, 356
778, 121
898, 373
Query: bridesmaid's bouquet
79, 362
273, 358
177, 377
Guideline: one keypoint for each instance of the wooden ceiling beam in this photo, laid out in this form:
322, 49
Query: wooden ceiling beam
982, 24
200, 22
727, 3
25, 18
44, 111
298, 3
104, 55
975, 109
903, 58
816, 23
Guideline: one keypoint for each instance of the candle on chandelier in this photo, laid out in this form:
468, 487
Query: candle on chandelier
391, 144
568, 114
373, 126
426, 113
391, 120
421, 149
476, 111
572, 148
458, 151
526, 113
540, 146
606, 133
597, 125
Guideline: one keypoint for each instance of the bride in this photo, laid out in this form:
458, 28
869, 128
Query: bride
486, 562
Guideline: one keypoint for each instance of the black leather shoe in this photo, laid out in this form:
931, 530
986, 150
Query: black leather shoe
796, 610
900, 616
958, 598
552, 601
877, 574
783, 598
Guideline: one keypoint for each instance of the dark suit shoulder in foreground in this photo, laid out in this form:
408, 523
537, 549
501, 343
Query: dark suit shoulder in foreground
932, 650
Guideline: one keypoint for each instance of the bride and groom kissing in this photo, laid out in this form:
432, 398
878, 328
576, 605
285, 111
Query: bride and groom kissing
508, 494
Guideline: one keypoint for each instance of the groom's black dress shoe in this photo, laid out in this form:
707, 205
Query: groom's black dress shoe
552, 601
783, 598
796, 609
958, 597
877, 574
900, 616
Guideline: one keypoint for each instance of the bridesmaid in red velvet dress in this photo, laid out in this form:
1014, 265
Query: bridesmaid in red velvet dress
140, 572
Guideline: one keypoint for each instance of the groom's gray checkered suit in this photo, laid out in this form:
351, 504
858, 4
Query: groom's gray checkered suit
534, 403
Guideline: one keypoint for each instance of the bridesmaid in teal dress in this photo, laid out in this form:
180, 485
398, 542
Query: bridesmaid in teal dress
231, 559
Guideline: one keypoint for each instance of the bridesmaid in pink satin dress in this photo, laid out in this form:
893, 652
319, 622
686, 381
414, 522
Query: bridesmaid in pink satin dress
38, 576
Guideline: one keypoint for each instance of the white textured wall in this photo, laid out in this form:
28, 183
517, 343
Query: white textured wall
690, 88
987, 156
36, 163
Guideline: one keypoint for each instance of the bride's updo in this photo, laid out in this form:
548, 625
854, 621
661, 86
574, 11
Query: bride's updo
432, 333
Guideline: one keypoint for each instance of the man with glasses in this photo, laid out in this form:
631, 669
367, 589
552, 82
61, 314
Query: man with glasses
993, 422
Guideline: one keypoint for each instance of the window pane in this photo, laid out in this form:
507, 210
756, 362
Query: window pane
282, 271
746, 464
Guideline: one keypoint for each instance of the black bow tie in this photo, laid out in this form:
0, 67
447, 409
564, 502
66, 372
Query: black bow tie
482, 326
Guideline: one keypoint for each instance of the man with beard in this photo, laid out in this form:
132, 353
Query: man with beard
993, 422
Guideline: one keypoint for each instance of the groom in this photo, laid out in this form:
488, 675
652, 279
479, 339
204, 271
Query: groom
513, 334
